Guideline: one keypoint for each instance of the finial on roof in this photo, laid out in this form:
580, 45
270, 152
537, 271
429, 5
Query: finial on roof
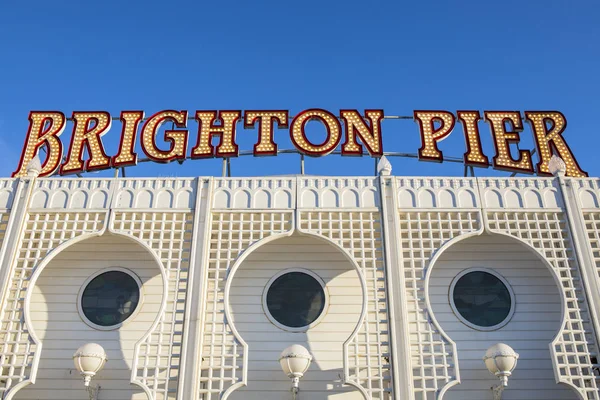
34, 167
384, 167
557, 166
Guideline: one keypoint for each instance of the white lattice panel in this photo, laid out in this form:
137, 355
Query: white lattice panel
367, 353
547, 232
519, 193
4, 216
452, 193
71, 193
224, 356
254, 193
43, 232
347, 192
158, 355
155, 193
422, 192
7, 191
588, 191
592, 227
135, 193
591, 220
433, 355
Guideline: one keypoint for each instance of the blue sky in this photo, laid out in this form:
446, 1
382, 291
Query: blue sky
395, 55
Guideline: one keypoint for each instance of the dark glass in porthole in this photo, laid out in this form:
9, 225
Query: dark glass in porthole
110, 298
295, 299
482, 299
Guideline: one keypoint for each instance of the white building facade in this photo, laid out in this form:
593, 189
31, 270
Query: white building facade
389, 254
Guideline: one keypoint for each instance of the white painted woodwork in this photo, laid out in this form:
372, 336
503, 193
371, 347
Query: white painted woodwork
427, 212
534, 325
266, 341
58, 325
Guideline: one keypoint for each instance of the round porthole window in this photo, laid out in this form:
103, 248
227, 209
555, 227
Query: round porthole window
295, 300
109, 298
482, 299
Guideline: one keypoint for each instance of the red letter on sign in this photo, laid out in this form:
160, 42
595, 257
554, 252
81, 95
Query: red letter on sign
356, 126
503, 138
177, 139
126, 155
44, 129
474, 154
430, 135
266, 126
302, 143
84, 134
551, 142
226, 131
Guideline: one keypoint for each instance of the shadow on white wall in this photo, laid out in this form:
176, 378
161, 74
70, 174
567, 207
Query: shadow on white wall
325, 341
59, 326
535, 323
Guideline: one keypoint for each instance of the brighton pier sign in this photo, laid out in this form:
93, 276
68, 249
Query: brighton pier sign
361, 134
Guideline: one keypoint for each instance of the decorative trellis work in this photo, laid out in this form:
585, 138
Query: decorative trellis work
433, 356
158, 355
547, 232
592, 226
7, 189
43, 232
223, 355
359, 233
7, 194
4, 216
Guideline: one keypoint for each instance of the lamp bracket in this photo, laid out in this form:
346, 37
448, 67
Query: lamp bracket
93, 391
295, 387
497, 390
